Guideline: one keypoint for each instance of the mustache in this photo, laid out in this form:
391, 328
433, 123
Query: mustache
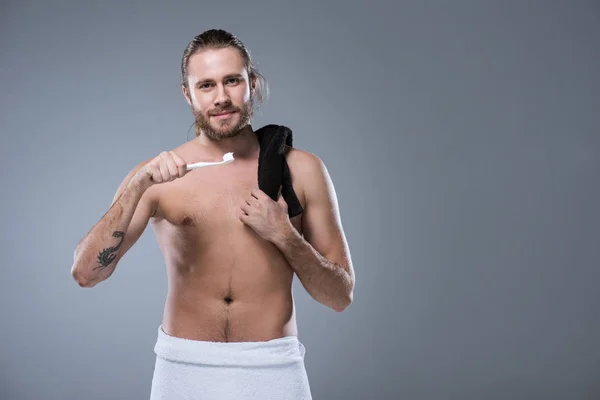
224, 110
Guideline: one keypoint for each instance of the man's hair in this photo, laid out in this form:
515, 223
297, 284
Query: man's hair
219, 39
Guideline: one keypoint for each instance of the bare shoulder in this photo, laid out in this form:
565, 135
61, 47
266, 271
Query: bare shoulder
303, 162
310, 173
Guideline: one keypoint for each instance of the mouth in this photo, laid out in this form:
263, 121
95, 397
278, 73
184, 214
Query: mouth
224, 115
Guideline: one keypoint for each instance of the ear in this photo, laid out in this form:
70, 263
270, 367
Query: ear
186, 94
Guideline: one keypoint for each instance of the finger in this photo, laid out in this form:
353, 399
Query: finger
245, 207
259, 194
154, 173
250, 200
180, 163
164, 171
172, 167
154, 170
253, 201
281, 199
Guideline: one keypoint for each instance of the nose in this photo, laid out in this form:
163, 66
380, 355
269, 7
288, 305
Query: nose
222, 96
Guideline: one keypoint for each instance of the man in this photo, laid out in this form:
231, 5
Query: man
229, 327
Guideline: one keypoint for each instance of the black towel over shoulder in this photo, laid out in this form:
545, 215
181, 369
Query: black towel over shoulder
273, 169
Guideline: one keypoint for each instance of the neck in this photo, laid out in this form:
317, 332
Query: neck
243, 145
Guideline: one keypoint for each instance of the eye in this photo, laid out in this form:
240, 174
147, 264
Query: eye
233, 80
203, 86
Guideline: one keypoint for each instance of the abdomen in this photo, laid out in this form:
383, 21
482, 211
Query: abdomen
237, 289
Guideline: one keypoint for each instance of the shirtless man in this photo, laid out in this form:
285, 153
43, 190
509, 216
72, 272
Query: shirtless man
230, 250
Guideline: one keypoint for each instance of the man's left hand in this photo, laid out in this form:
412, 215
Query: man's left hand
266, 217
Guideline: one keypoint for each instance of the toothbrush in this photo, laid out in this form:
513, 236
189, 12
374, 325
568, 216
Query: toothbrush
227, 158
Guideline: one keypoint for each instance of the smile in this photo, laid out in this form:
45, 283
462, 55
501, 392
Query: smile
224, 115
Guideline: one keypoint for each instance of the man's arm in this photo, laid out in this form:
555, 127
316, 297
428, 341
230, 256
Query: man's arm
98, 253
321, 259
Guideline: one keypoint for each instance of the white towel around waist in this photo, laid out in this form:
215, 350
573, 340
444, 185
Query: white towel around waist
192, 369
274, 352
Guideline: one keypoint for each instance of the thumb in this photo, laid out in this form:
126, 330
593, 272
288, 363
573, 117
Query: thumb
280, 198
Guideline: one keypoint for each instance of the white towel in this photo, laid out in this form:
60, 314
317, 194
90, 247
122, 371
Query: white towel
202, 370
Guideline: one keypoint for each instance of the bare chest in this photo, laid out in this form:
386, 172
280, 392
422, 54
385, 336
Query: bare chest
203, 200
209, 201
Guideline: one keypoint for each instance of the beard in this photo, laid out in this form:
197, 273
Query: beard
223, 129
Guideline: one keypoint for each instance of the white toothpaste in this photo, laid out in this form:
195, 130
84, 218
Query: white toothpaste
227, 158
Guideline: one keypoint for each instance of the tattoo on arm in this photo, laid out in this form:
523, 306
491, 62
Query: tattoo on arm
108, 255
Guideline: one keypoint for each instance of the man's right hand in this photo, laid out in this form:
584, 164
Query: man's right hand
165, 167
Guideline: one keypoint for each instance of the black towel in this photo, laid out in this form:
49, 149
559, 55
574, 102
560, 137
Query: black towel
273, 169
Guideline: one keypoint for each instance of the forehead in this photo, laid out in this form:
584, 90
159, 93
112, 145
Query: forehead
215, 64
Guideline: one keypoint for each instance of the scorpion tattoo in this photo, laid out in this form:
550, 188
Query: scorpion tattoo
107, 256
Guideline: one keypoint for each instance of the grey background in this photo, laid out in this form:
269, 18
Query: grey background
462, 138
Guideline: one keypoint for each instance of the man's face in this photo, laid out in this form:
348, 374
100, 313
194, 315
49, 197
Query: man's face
219, 92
